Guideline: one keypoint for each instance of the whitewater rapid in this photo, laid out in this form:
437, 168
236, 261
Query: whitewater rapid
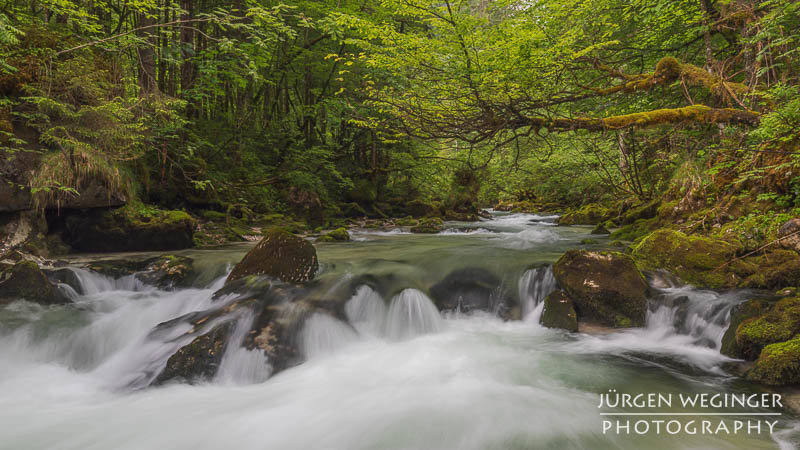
396, 374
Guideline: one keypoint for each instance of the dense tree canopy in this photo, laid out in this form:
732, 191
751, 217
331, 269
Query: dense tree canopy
324, 108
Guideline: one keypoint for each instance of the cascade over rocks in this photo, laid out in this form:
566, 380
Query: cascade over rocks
473, 289
606, 287
280, 255
25, 280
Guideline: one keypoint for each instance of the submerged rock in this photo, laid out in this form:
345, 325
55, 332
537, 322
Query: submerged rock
606, 287
472, 289
280, 255
559, 312
695, 259
25, 280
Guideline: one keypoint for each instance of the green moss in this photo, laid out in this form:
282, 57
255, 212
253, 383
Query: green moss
429, 226
591, 214
778, 364
634, 231
779, 324
406, 222
589, 241
695, 259
339, 234
744, 311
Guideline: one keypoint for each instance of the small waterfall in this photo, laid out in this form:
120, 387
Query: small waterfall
411, 314
534, 286
240, 365
322, 335
94, 283
366, 311
703, 315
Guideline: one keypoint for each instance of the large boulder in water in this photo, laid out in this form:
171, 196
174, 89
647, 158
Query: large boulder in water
779, 323
559, 312
472, 289
606, 287
695, 259
280, 255
200, 359
25, 280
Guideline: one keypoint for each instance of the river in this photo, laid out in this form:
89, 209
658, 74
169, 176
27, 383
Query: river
402, 376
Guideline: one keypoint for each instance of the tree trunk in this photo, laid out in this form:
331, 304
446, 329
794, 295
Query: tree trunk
147, 54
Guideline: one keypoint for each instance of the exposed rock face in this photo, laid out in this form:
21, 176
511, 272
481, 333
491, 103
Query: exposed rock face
26, 281
468, 290
559, 312
279, 255
606, 287
778, 364
789, 233
692, 258
125, 230
12, 198
93, 195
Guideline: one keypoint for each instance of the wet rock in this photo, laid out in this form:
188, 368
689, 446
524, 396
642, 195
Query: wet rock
789, 235
165, 271
695, 259
777, 269
681, 306
428, 226
65, 276
739, 313
606, 287
25, 280
124, 229
472, 289
199, 360
778, 364
93, 195
559, 312
280, 255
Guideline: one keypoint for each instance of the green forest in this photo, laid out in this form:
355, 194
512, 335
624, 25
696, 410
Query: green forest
310, 115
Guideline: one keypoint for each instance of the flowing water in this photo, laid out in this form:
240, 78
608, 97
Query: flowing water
398, 375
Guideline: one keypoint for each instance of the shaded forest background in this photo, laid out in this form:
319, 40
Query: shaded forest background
307, 113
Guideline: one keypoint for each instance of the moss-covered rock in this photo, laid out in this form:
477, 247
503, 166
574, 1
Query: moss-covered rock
420, 208
695, 259
647, 210
339, 234
606, 287
428, 226
743, 311
280, 255
406, 222
25, 280
589, 241
601, 229
591, 214
634, 231
775, 270
163, 271
559, 312
128, 229
778, 364
779, 324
